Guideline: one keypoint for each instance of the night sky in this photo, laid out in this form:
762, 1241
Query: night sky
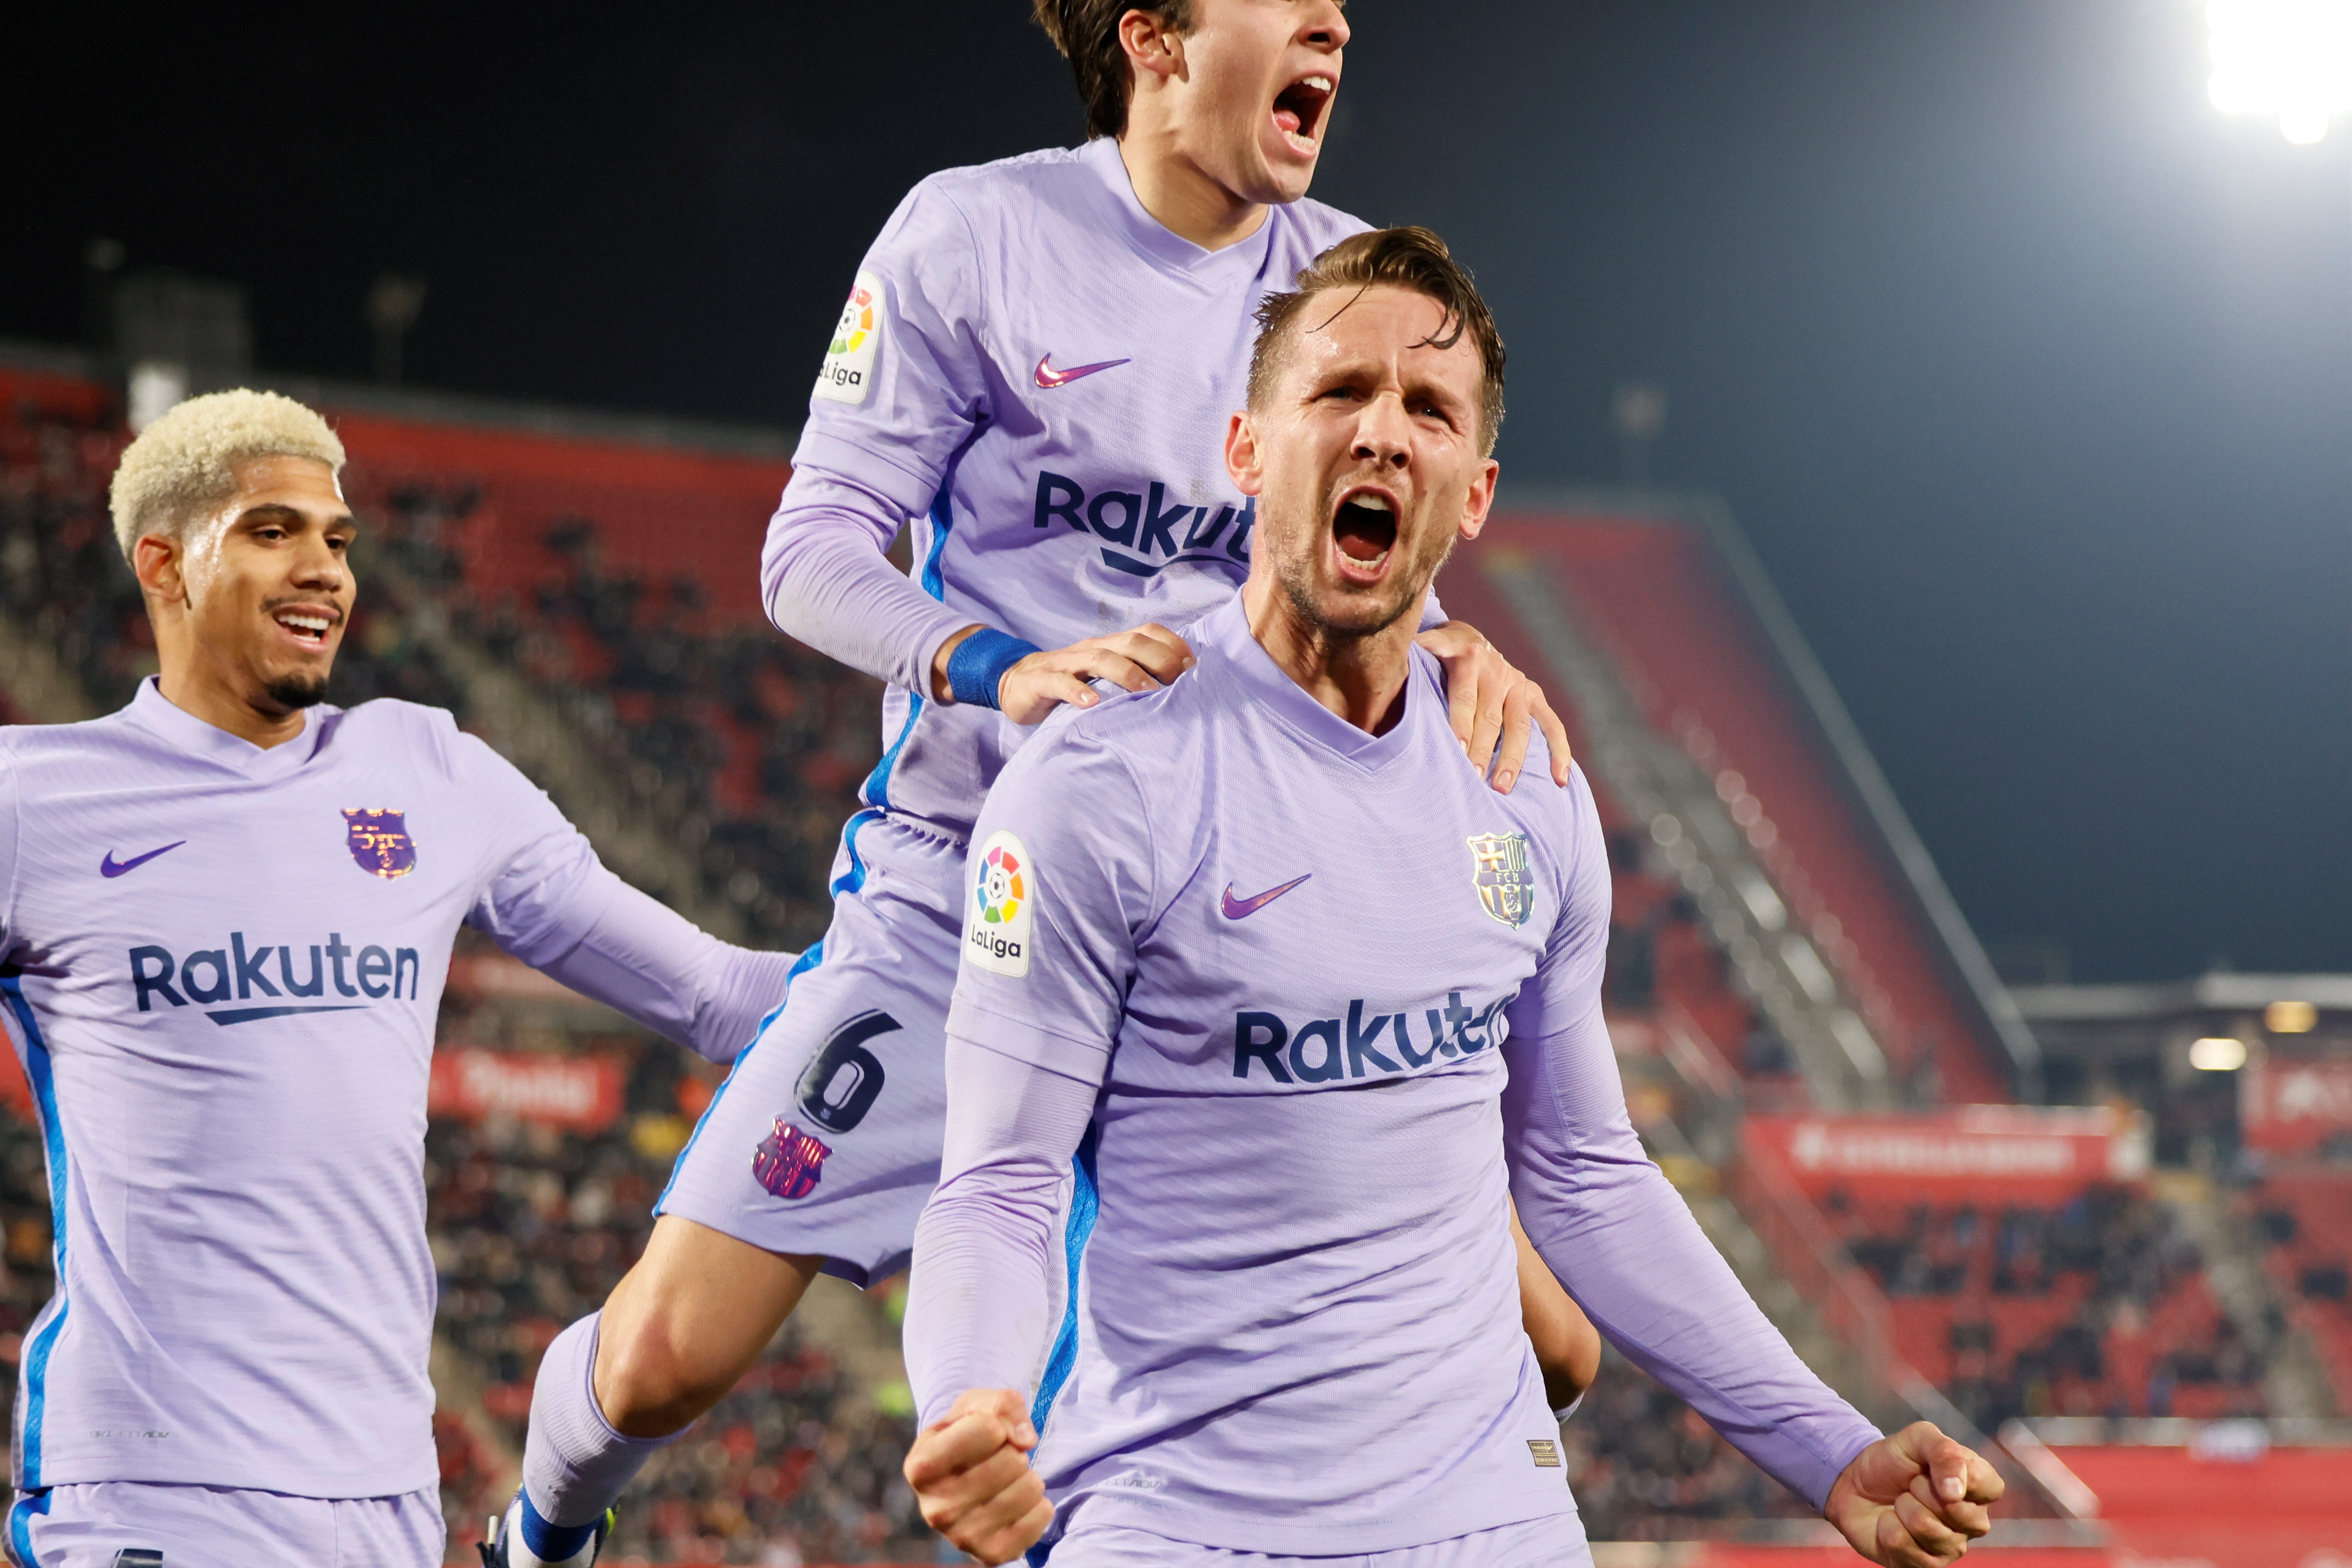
2030, 374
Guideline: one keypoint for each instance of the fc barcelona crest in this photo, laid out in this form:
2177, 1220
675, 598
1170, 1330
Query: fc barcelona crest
1498, 863
788, 1162
379, 842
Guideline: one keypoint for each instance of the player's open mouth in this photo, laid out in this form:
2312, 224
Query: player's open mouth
1298, 109
305, 623
1364, 531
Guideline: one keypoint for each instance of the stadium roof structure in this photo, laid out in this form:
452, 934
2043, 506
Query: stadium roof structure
1708, 726
2220, 991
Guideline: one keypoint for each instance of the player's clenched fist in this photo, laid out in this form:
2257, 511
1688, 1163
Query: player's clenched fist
970, 1472
1138, 660
1914, 1499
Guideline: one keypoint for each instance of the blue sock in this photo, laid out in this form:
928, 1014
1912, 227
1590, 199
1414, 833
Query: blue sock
552, 1542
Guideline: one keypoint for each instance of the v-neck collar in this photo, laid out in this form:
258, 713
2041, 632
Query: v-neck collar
1266, 683
160, 716
1163, 245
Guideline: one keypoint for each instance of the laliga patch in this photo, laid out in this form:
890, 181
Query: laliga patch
848, 371
1004, 904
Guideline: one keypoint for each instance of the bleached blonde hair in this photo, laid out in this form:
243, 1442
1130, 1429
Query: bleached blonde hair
184, 464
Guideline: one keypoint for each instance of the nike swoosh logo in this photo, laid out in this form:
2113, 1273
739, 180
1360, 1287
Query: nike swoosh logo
1236, 908
110, 866
1049, 378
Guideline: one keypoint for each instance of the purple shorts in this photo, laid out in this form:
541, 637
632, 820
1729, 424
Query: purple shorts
825, 1138
85, 1526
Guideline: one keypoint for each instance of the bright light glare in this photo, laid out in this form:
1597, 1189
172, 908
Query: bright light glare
2289, 1017
2292, 59
2218, 1054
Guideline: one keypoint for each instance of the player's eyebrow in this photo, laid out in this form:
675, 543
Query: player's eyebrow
277, 511
1436, 390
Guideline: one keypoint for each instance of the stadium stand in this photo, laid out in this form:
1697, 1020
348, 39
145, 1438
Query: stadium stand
2028, 1264
546, 1149
2304, 1219
1716, 732
1774, 956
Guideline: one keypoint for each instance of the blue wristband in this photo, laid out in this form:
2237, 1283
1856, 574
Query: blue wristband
980, 661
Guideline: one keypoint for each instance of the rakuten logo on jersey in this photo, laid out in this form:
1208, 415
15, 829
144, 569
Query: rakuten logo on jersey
1150, 535
242, 973
1324, 1049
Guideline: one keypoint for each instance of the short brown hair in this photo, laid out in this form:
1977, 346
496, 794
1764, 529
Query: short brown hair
1086, 32
1413, 259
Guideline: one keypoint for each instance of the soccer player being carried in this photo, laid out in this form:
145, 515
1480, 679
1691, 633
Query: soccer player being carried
226, 917
1308, 1036
1036, 366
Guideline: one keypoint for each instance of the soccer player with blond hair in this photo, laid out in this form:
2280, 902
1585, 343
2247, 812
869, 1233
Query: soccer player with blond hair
1032, 369
1296, 1343
226, 918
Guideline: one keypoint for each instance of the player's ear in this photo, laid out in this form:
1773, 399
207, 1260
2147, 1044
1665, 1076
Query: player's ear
1481, 498
156, 561
1241, 460
1152, 44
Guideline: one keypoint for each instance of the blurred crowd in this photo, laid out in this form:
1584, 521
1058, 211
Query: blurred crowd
749, 746
532, 1226
63, 578
2098, 1306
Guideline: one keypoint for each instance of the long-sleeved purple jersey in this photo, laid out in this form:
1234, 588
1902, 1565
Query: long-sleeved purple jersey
221, 967
1038, 372
1308, 1004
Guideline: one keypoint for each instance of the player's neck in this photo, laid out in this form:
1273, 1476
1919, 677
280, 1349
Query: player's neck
1360, 679
197, 689
1185, 199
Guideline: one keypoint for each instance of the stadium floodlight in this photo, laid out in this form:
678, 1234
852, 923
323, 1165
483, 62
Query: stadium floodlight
2218, 1054
2291, 58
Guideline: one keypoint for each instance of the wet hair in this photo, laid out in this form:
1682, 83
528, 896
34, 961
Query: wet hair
1086, 32
1412, 258
184, 464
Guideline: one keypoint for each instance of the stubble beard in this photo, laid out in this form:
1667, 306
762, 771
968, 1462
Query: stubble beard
1297, 576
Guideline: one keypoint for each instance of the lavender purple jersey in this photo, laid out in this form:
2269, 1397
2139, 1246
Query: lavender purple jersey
222, 970
1309, 1006
1040, 374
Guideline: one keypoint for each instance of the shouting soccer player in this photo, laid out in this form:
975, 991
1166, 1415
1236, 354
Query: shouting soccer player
1309, 1035
225, 916
1036, 364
